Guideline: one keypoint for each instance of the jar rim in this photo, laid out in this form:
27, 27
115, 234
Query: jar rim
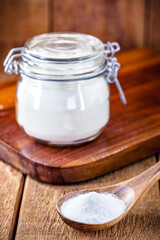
68, 78
63, 56
63, 47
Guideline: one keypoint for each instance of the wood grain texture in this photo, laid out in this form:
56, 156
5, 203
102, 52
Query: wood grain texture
134, 135
39, 219
121, 21
132, 23
152, 23
20, 20
11, 184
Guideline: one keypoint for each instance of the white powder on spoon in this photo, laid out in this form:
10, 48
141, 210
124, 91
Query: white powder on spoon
93, 208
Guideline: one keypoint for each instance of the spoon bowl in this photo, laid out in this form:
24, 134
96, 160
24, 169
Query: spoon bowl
130, 191
124, 193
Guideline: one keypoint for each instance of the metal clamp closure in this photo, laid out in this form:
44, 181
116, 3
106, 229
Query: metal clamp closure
113, 67
10, 64
110, 70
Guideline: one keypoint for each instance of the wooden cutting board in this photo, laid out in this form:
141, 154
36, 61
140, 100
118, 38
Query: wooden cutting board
133, 131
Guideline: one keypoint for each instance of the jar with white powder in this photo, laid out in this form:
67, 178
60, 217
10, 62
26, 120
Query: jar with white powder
62, 94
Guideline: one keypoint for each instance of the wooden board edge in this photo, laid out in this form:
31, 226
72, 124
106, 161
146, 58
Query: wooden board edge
29, 167
113, 162
61, 175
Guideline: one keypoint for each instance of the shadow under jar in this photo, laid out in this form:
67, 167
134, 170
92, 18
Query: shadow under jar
62, 92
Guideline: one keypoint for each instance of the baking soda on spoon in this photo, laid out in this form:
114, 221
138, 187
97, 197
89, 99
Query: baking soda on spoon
93, 208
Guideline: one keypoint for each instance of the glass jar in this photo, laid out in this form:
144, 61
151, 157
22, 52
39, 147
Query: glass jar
63, 93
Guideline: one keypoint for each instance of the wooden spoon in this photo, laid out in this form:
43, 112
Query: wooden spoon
130, 191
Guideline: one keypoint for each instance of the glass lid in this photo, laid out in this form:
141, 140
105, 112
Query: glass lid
64, 46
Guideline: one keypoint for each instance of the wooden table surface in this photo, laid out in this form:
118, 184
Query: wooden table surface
27, 208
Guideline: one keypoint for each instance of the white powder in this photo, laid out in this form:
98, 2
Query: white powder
93, 208
62, 113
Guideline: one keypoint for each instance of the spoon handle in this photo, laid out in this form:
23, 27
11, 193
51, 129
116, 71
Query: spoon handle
144, 181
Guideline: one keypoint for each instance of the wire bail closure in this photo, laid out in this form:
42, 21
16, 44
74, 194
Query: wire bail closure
113, 66
11, 65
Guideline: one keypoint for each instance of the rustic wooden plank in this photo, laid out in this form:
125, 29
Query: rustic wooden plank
152, 23
39, 219
121, 21
11, 185
20, 20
